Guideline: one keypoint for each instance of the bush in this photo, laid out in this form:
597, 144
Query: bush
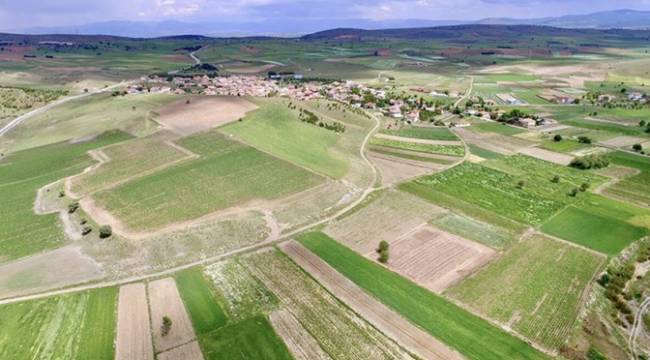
557, 138
105, 231
574, 192
86, 230
521, 184
594, 354
382, 250
584, 140
584, 187
637, 147
589, 162
166, 325
555, 179
72, 207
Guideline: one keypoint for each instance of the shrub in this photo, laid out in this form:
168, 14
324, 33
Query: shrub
589, 162
594, 354
521, 184
555, 179
105, 231
584, 187
72, 207
584, 140
382, 250
61, 193
166, 325
574, 192
86, 230
557, 138
637, 147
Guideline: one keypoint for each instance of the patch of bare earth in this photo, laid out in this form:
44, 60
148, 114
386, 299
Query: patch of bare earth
189, 351
133, 329
300, 343
436, 259
547, 155
506, 145
51, 269
622, 141
202, 113
394, 170
164, 300
387, 321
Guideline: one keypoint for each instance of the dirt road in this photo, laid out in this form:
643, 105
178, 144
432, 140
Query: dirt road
386, 320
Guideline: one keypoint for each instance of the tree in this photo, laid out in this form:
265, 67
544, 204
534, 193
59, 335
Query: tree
555, 179
637, 147
383, 251
105, 231
557, 138
584, 140
589, 162
166, 325
642, 123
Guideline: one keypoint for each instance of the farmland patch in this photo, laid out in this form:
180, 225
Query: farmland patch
133, 340
164, 300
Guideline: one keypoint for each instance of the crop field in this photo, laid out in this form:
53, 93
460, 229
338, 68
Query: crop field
633, 188
564, 146
127, 160
494, 142
491, 127
601, 233
275, 129
77, 326
497, 190
228, 173
85, 118
535, 288
341, 333
453, 150
462, 225
22, 232
390, 216
427, 133
484, 153
472, 336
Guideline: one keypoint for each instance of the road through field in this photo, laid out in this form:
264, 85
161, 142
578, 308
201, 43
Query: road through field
638, 324
15, 122
269, 242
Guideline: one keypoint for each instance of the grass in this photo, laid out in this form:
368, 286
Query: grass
472, 336
227, 174
469, 228
634, 188
275, 129
252, 338
410, 155
498, 128
601, 233
200, 301
22, 232
426, 133
563, 146
76, 326
540, 281
485, 154
453, 150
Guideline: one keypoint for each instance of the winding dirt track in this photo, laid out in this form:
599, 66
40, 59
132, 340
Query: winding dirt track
637, 326
379, 315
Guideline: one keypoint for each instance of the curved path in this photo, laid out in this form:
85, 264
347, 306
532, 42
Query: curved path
638, 325
15, 122
271, 241
467, 94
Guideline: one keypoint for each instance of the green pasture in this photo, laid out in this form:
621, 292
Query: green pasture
499, 128
418, 132
200, 301
453, 150
484, 153
472, 336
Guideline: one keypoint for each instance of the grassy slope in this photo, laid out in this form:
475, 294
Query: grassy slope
276, 129
228, 174
77, 326
534, 269
469, 334
21, 174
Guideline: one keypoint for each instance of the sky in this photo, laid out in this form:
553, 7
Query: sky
17, 14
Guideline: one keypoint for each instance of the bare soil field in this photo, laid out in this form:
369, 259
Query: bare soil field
547, 155
300, 343
418, 141
436, 259
498, 143
394, 170
393, 214
189, 351
48, 270
622, 141
164, 300
387, 321
202, 113
133, 328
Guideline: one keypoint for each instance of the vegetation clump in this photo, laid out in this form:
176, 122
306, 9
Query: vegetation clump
383, 251
105, 231
72, 207
166, 326
589, 162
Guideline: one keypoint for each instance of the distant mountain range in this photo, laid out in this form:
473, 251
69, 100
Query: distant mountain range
623, 19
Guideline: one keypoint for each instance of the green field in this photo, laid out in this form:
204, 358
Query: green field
200, 301
427, 133
228, 173
22, 232
78, 326
410, 155
503, 129
275, 129
634, 188
472, 336
536, 287
453, 150
469, 228
252, 338
601, 233
563, 146
484, 153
